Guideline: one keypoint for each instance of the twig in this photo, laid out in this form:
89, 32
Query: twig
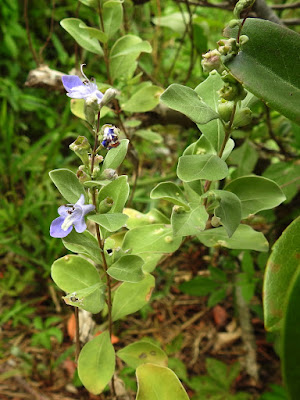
273, 136
248, 336
291, 21
285, 6
263, 11
290, 182
191, 34
77, 340
50, 33
222, 6
33, 52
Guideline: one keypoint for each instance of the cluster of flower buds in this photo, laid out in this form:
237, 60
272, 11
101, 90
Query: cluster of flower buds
232, 89
212, 60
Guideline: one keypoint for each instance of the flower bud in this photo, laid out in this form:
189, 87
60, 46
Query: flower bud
91, 108
233, 23
110, 174
81, 148
212, 60
242, 117
225, 109
82, 176
243, 39
105, 205
215, 221
242, 5
108, 96
228, 46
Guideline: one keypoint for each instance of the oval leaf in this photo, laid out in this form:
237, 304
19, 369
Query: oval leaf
156, 238
143, 100
96, 363
115, 156
131, 297
282, 265
171, 192
266, 65
83, 243
111, 222
118, 190
68, 184
256, 194
244, 238
189, 223
139, 353
128, 269
290, 338
185, 100
76, 28
201, 166
158, 383
229, 209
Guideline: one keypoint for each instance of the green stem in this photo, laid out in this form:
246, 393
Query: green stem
228, 131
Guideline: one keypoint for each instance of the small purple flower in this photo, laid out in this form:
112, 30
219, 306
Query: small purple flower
70, 215
78, 89
110, 137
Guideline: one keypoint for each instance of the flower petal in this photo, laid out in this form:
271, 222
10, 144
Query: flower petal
87, 208
55, 229
80, 201
80, 225
71, 81
63, 211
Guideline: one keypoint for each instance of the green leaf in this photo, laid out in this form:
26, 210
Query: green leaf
83, 243
137, 218
112, 17
128, 268
256, 194
158, 383
115, 156
123, 56
77, 29
199, 286
90, 3
96, 363
142, 352
245, 158
287, 176
171, 192
185, 100
72, 274
95, 33
111, 222
189, 223
244, 238
229, 209
91, 299
68, 184
143, 100
206, 166
118, 190
282, 267
149, 135
266, 65
131, 297
156, 238
176, 21
291, 334
218, 371
216, 297
208, 91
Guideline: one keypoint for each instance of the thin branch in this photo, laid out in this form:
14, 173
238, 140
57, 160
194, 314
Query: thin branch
77, 340
222, 6
191, 34
285, 6
291, 21
33, 52
50, 33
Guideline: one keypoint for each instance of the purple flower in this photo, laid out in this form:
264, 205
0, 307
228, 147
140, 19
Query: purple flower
78, 89
110, 137
70, 215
